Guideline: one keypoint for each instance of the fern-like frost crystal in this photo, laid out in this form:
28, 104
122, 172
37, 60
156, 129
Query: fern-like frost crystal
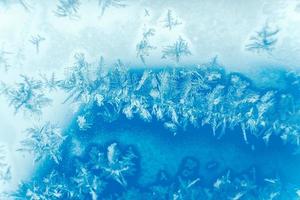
264, 40
27, 95
177, 50
170, 21
144, 47
43, 141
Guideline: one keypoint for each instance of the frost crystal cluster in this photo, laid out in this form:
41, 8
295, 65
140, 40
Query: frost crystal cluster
44, 141
110, 173
183, 97
87, 178
27, 95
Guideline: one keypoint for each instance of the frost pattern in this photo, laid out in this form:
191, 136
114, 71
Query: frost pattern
100, 174
105, 4
82, 123
177, 50
264, 40
5, 172
181, 97
81, 82
170, 21
43, 141
144, 47
88, 178
23, 3
67, 8
51, 187
36, 40
4, 60
116, 165
27, 95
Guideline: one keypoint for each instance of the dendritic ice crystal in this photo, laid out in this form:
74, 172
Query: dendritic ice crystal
177, 50
27, 95
36, 41
144, 47
170, 21
43, 141
264, 40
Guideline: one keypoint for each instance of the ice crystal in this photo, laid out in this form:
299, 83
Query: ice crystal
5, 172
51, 187
4, 60
116, 165
147, 13
82, 123
36, 40
68, 8
144, 47
51, 83
80, 83
43, 141
177, 50
170, 21
105, 4
27, 95
264, 40
88, 184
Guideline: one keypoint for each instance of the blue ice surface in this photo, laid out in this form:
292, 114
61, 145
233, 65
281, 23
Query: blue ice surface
182, 166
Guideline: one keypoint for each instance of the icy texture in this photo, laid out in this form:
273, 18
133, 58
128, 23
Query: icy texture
264, 40
5, 172
109, 173
179, 98
27, 95
87, 177
43, 141
170, 21
24, 3
48, 188
177, 50
4, 60
105, 4
36, 40
68, 8
144, 47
